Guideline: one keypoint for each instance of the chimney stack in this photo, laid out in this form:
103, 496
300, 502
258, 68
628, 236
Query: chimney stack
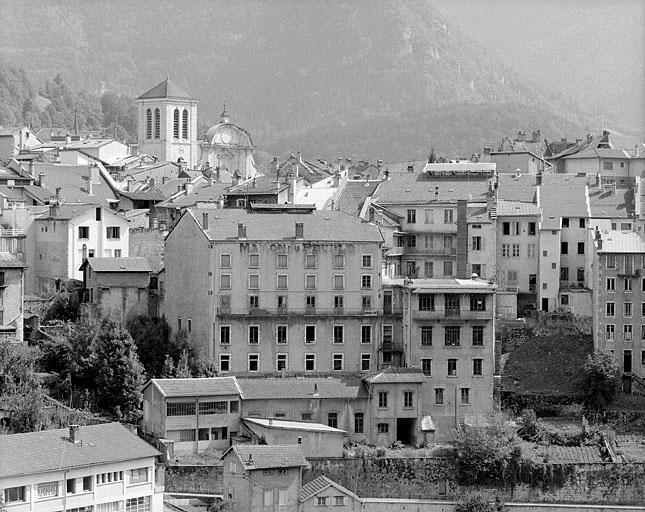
41, 179
300, 230
72, 433
205, 221
241, 230
58, 189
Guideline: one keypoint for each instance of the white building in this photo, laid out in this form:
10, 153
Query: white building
98, 468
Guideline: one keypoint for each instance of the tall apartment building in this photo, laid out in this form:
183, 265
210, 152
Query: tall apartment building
619, 301
266, 292
432, 209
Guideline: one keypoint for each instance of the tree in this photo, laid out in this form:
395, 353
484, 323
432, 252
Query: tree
118, 373
27, 412
168, 370
183, 366
601, 380
65, 307
154, 345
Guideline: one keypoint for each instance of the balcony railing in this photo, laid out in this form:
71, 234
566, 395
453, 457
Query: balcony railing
391, 346
12, 232
398, 251
223, 311
463, 314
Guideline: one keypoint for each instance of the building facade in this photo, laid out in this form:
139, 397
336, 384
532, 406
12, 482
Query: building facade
102, 468
280, 292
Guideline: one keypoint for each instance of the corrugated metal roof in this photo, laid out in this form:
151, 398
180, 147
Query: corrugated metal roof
293, 425
211, 386
394, 375
51, 450
311, 489
8, 260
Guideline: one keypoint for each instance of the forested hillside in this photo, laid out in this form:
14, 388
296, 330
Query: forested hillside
328, 78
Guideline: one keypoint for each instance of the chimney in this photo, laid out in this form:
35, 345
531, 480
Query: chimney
250, 459
220, 202
538, 179
205, 221
58, 189
520, 136
235, 180
241, 230
589, 138
53, 210
131, 185
72, 433
189, 188
273, 167
300, 230
487, 151
88, 186
41, 179
336, 180
563, 139
253, 183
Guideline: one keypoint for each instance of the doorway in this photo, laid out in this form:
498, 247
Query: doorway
405, 428
545, 305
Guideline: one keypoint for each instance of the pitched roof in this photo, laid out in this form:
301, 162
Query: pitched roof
562, 195
319, 484
301, 388
394, 375
319, 226
166, 89
622, 242
420, 188
516, 209
276, 424
66, 211
203, 191
51, 450
257, 186
267, 457
8, 260
205, 386
353, 195
517, 188
612, 203
118, 264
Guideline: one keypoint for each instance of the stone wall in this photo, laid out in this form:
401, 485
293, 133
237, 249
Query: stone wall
193, 479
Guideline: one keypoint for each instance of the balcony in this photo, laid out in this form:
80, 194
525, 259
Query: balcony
391, 346
460, 314
402, 251
267, 312
11, 232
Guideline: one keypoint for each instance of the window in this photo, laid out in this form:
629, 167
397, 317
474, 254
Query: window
611, 284
564, 299
71, 486
610, 261
383, 428
282, 302
332, 419
305, 416
282, 261
175, 124
225, 334
382, 399
97, 214
225, 281
387, 357
234, 407
339, 334
281, 334
628, 284
337, 362
137, 476
532, 228
339, 282
321, 501
628, 332
366, 261
14, 494
83, 232
220, 407
359, 422
282, 281
516, 251
610, 309
627, 309
339, 261
564, 273
117, 253
225, 260
366, 334
580, 274
117, 476
254, 301
530, 251
310, 334
608, 166
506, 228
180, 409
148, 124
452, 303
465, 396
515, 228
448, 216
476, 243
564, 247
310, 362
582, 223
506, 250
254, 334
581, 247
366, 361
366, 281
224, 362
254, 281
184, 124
157, 128
477, 302
426, 302
254, 260
438, 396
412, 216
310, 281
610, 332
388, 334
625, 226
366, 301
426, 366
452, 367
190, 325
87, 483
114, 506
447, 268
310, 261
113, 232
141, 504
451, 336
281, 362
254, 362
426, 335
478, 367
429, 216
408, 399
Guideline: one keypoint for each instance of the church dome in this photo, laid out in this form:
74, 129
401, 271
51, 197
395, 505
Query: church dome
228, 134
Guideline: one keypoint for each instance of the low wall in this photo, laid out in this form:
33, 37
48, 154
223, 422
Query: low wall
193, 479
